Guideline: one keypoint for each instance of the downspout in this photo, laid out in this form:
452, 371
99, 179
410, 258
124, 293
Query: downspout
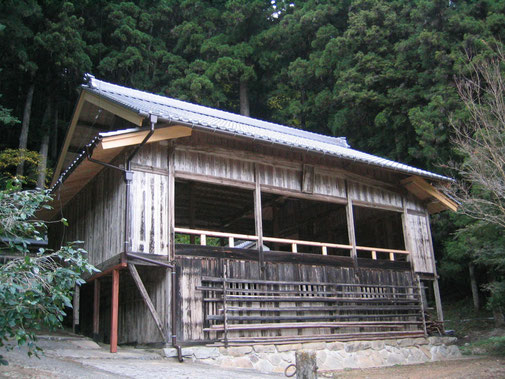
128, 239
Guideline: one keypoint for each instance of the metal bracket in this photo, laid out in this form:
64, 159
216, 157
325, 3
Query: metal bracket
128, 173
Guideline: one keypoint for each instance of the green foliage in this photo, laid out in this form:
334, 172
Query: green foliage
6, 116
378, 72
36, 287
461, 317
11, 158
492, 345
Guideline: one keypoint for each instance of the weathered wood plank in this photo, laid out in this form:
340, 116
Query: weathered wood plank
147, 300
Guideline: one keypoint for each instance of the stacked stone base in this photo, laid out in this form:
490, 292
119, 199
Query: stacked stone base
330, 355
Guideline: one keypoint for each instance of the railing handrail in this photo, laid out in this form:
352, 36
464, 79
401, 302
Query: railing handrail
293, 242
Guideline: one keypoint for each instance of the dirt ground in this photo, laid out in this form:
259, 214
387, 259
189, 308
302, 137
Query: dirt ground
473, 367
71, 356
470, 368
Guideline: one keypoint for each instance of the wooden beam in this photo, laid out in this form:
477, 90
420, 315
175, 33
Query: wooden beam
96, 309
68, 137
107, 271
114, 311
424, 190
135, 138
118, 110
148, 301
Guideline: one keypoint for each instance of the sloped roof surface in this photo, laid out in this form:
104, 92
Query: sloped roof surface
201, 117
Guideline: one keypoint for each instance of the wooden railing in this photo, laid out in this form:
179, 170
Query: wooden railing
241, 311
232, 237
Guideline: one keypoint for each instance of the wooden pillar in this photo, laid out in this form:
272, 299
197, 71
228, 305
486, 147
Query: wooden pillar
96, 309
114, 311
75, 306
406, 233
171, 203
258, 216
306, 365
438, 301
351, 231
168, 302
436, 289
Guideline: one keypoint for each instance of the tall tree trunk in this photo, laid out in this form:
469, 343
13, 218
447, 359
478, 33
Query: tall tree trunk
25, 126
41, 170
54, 135
44, 145
475, 288
244, 99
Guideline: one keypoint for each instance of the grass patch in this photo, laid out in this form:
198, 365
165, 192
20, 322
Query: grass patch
491, 346
463, 319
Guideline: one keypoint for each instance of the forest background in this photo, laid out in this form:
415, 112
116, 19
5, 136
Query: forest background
380, 72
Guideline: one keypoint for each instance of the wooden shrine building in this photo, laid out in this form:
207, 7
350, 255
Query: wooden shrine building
214, 228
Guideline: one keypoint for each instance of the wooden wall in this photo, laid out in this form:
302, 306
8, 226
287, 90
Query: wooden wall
96, 213
96, 216
149, 194
191, 269
135, 322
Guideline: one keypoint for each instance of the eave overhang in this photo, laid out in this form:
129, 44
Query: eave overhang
435, 200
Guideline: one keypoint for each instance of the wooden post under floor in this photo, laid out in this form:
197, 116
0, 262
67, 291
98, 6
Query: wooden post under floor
114, 311
96, 309
438, 300
75, 306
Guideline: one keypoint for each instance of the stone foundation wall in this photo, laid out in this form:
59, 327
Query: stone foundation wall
330, 355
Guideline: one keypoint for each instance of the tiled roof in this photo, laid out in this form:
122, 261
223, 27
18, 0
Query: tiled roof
201, 117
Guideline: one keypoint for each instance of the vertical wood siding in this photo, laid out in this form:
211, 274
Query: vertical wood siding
211, 165
96, 216
373, 195
329, 185
280, 177
420, 242
149, 213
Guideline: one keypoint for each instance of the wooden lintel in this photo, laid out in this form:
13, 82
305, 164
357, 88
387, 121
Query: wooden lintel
424, 191
148, 301
134, 138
